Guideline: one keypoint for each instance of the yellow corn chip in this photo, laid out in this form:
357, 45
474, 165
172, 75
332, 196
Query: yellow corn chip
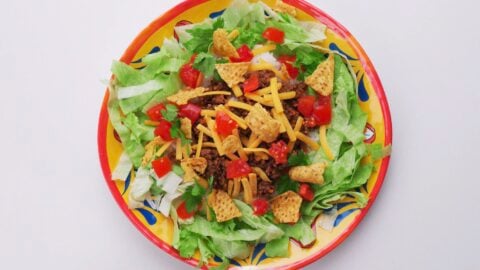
222, 45
286, 207
280, 6
192, 166
231, 144
223, 206
183, 96
186, 127
150, 150
262, 124
232, 73
309, 174
321, 79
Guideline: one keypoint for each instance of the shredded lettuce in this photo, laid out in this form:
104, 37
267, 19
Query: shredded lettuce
221, 231
257, 222
123, 168
232, 249
278, 247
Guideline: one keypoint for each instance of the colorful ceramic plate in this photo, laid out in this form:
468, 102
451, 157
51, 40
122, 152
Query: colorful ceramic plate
372, 100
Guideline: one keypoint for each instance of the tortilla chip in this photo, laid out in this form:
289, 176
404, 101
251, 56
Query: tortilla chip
286, 207
186, 127
231, 144
280, 6
308, 174
222, 45
321, 79
223, 206
150, 150
232, 73
192, 166
262, 124
183, 96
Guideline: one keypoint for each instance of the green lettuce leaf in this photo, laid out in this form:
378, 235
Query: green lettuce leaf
232, 249
223, 232
301, 231
188, 243
270, 231
277, 247
201, 35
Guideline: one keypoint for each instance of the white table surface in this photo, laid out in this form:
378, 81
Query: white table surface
57, 213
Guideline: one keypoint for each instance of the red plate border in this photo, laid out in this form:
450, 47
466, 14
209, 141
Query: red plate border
314, 12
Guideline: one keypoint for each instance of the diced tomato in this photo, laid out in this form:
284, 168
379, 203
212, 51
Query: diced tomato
322, 110
163, 130
279, 152
288, 60
182, 212
310, 122
191, 111
155, 113
238, 168
305, 105
260, 207
162, 166
306, 192
245, 54
251, 84
225, 124
274, 34
189, 75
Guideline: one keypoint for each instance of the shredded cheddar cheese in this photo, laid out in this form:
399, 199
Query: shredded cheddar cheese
264, 91
298, 127
204, 144
255, 143
216, 138
253, 183
241, 152
210, 113
307, 140
282, 96
230, 187
277, 117
277, 103
213, 93
237, 91
324, 142
256, 150
240, 121
178, 150
239, 105
151, 123
261, 174
199, 145
259, 99
236, 187
264, 49
266, 66
205, 130
162, 149
231, 156
247, 190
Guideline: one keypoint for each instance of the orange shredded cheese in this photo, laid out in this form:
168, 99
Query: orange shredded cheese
277, 103
210, 113
151, 123
324, 143
264, 49
237, 91
199, 145
298, 127
162, 149
241, 123
307, 140
261, 174
205, 130
216, 138
239, 105
178, 150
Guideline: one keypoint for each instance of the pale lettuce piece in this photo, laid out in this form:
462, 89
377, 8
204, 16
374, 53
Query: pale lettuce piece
139, 131
206, 228
173, 84
232, 249
241, 12
137, 90
271, 231
131, 146
166, 203
140, 187
315, 31
125, 75
123, 168
326, 220
267, 57
171, 182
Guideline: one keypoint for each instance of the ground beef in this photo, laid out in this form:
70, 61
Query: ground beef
271, 168
218, 86
264, 77
209, 102
265, 189
216, 168
299, 87
170, 153
291, 112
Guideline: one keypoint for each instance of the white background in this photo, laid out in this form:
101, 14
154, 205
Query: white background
57, 213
